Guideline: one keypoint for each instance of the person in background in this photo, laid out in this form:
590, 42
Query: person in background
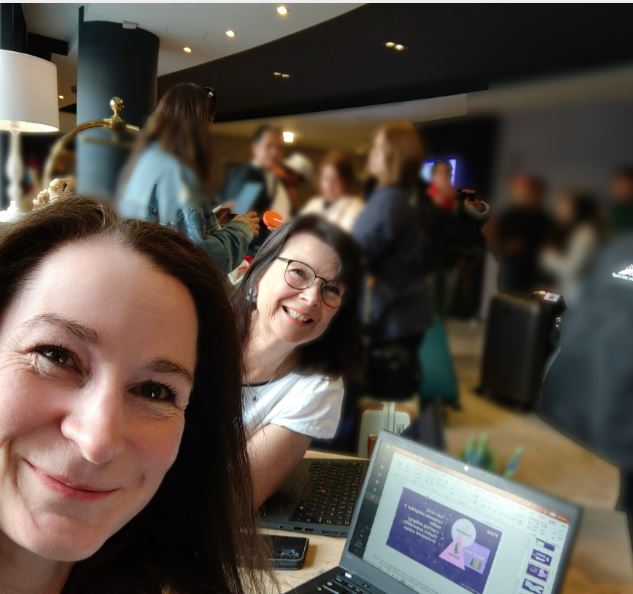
588, 383
296, 317
621, 215
295, 172
518, 233
123, 464
579, 230
397, 309
452, 221
166, 179
339, 201
267, 155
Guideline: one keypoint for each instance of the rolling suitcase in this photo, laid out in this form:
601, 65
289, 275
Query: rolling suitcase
517, 344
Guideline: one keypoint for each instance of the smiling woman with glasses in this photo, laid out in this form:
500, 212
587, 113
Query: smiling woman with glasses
300, 275
297, 316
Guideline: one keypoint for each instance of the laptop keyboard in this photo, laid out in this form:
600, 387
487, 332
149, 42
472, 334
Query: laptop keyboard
330, 494
338, 585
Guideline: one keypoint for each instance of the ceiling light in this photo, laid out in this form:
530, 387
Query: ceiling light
230, 33
187, 50
282, 10
393, 45
285, 75
289, 137
60, 96
276, 73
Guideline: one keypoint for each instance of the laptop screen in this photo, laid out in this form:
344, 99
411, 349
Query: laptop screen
437, 530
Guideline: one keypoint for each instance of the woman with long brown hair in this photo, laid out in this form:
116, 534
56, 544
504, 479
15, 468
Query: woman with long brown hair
167, 179
296, 311
123, 464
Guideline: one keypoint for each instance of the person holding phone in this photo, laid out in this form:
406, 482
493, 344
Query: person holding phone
167, 177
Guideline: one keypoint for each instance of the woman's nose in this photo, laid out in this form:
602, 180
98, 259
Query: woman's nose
312, 295
96, 422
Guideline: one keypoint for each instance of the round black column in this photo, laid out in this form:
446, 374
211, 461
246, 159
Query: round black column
112, 61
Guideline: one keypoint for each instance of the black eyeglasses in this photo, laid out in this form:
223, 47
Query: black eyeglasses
300, 276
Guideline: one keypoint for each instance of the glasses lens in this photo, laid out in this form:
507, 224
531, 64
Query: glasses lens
299, 276
332, 294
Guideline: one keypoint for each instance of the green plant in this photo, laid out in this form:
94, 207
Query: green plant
478, 453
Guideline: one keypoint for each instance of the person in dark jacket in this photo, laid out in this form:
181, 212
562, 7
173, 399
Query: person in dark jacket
452, 220
388, 231
517, 234
269, 190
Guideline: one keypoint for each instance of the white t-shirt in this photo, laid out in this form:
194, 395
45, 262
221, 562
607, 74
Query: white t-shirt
306, 404
342, 212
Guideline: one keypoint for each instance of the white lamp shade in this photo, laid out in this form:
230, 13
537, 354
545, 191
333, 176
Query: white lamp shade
28, 93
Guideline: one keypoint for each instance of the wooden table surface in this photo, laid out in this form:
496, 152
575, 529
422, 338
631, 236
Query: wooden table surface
602, 561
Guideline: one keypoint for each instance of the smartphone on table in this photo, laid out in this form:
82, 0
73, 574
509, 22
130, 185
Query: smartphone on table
286, 552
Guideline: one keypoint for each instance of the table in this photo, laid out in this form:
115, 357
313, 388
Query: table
602, 561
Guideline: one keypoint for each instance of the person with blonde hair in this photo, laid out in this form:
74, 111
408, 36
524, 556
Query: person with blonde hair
388, 231
338, 201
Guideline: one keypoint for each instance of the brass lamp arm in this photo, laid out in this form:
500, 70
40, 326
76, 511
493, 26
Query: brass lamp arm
115, 122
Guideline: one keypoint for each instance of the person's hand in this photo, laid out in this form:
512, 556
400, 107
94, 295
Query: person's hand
223, 215
470, 197
251, 219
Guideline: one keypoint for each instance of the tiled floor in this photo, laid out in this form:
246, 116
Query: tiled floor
551, 462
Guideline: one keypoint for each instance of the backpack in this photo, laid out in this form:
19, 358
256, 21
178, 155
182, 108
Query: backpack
587, 391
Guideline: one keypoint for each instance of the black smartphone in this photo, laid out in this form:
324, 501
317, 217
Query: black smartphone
287, 552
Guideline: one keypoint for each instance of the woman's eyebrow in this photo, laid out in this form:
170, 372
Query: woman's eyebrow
167, 366
83, 333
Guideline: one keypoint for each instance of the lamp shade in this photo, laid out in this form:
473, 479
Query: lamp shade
28, 93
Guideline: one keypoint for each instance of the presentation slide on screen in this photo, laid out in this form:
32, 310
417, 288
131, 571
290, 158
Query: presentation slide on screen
439, 534
453, 545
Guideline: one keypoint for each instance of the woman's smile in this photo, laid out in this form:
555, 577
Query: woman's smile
68, 488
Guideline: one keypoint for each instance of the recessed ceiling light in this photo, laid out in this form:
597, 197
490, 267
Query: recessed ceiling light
276, 73
187, 50
393, 45
289, 137
60, 96
282, 10
230, 33
285, 75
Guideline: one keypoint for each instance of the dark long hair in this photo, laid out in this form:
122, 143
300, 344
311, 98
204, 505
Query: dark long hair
200, 524
337, 350
180, 125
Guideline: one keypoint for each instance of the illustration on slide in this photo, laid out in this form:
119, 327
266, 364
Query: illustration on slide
464, 552
456, 546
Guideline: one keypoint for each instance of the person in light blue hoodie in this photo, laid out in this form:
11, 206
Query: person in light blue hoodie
167, 177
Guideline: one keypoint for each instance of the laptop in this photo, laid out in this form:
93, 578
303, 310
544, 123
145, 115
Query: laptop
318, 497
429, 524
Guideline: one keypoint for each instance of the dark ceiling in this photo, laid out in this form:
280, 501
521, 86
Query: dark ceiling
450, 49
